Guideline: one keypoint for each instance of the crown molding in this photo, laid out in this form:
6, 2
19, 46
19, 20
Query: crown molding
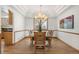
64, 8
58, 11
18, 10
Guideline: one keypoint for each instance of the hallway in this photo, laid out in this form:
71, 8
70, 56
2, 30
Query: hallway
23, 47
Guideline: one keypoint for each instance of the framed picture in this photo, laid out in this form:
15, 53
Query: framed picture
67, 23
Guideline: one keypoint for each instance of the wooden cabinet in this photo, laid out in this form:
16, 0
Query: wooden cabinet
8, 38
7, 29
10, 19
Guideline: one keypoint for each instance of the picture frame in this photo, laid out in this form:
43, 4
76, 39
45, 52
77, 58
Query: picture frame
67, 23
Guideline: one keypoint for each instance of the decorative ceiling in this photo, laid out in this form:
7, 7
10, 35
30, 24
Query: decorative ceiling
30, 11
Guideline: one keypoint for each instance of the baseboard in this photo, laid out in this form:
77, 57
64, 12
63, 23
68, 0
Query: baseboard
68, 45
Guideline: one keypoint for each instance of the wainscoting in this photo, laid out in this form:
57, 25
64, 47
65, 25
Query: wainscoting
70, 38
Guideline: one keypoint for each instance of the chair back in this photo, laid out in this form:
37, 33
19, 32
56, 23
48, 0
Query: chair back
39, 38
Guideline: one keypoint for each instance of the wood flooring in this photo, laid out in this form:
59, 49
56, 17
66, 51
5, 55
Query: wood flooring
24, 47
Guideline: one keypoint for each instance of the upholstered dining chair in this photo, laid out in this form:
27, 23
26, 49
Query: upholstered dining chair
39, 38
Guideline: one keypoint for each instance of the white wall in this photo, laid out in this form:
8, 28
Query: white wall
52, 25
71, 39
29, 23
18, 24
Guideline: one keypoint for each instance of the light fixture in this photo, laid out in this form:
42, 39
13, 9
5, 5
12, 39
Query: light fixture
40, 15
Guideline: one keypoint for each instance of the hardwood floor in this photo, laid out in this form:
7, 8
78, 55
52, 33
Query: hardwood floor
23, 47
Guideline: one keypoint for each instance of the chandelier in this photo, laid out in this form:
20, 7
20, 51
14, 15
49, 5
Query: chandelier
40, 15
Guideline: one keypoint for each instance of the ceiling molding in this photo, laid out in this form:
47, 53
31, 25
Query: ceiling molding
64, 8
18, 10
60, 9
